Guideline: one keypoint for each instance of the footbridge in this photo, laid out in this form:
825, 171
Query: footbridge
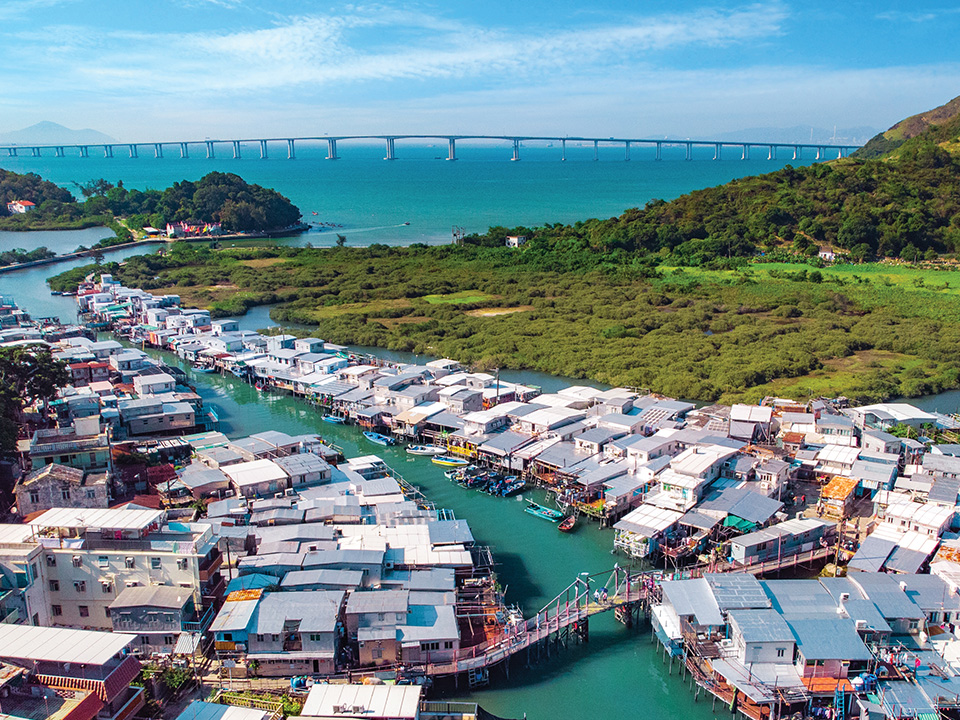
208, 148
565, 618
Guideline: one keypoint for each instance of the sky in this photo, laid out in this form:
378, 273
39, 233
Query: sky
143, 70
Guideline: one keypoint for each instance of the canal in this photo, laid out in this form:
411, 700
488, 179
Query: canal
618, 673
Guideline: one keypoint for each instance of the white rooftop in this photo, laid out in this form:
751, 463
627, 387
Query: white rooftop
254, 472
96, 519
377, 702
47, 644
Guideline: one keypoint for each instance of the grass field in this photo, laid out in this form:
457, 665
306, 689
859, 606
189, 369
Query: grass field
462, 297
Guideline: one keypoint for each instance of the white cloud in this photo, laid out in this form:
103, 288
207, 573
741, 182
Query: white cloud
359, 46
11, 9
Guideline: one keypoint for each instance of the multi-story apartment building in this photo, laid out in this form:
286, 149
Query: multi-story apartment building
91, 556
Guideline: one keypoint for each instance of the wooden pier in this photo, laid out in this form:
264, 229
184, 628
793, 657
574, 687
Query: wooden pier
565, 618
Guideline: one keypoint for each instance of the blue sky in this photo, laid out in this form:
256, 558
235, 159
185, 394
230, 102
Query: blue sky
158, 69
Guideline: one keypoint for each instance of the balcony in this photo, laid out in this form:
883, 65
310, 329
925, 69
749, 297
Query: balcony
210, 564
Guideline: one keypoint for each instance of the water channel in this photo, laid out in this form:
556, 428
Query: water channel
618, 673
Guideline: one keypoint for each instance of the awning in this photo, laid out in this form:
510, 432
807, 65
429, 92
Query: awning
739, 523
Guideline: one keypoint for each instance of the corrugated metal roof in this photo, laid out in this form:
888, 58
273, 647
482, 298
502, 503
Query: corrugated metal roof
63, 645
829, 639
199, 710
375, 702
94, 519
734, 591
693, 597
763, 625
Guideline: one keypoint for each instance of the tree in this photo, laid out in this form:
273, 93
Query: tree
27, 375
341, 240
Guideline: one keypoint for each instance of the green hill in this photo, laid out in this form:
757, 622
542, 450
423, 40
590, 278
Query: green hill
940, 125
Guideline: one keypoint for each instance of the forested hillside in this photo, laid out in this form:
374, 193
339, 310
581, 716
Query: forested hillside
217, 197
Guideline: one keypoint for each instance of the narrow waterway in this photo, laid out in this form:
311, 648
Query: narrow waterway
617, 674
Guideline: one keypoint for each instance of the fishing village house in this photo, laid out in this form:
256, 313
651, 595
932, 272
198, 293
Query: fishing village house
69, 673
58, 486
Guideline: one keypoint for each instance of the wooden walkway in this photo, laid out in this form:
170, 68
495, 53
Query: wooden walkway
585, 597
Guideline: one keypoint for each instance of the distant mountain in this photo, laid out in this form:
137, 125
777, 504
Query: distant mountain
51, 133
934, 122
800, 134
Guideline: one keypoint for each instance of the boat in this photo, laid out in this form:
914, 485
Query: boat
543, 512
424, 450
567, 524
378, 438
449, 461
56, 292
333, 419
407, 223
204, 370
512, 485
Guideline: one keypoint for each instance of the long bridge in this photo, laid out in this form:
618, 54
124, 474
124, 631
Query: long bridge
209, 147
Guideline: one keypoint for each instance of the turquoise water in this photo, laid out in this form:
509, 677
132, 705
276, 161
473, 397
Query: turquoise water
372, 198
618, 673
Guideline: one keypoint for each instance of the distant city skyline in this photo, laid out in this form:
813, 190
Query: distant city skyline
197, 68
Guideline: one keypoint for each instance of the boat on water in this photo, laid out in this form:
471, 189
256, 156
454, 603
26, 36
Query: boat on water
334, 419
449, 461
424, 450
512, 485
543, 512
204, 370
378, 438
567, 524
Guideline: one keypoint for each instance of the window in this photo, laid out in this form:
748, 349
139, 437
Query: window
34, 497
155, 563
91, 494
130, 562
77, 561
106, 586
168, 639
54, 586
275, 637
106, 611
780, 652
181, 563
316, 637
377, 653
259, 637
914, 624
381, 617
65, 494
103, 561
80, 586
144, 639
84, 610
428, 646
51, 560
448, 644
56, 610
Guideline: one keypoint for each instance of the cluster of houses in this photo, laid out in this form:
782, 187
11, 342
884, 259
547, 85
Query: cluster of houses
870, 645
674, 480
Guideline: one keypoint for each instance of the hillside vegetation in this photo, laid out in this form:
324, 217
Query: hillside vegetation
718, 294
217, 197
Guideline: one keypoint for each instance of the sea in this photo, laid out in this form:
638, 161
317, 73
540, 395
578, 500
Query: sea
619, 672
370, 200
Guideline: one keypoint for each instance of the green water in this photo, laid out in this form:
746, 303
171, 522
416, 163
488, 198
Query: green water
618, 672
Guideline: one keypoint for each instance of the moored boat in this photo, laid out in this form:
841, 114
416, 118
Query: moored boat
378, 438
449, 461
567, 524
333, 419
543, 512
204, 370
424, 450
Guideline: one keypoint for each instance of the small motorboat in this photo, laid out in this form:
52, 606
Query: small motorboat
425, 450
379, 439
333, 419
543, 512
567, 524
449, 461
512, 485
407, 223
204, 370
